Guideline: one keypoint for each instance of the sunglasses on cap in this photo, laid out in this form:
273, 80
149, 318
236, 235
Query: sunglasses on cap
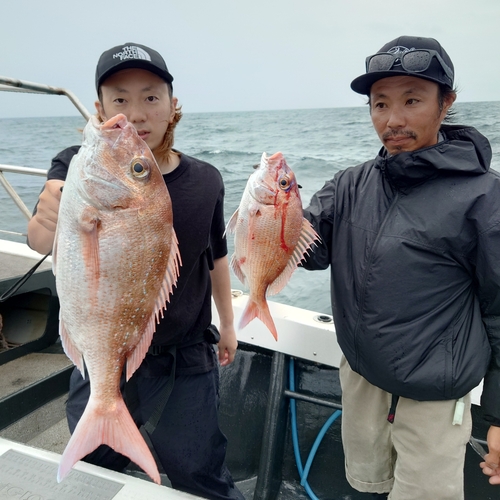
413, 61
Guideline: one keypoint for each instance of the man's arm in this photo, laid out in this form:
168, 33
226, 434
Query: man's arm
42, 226
488, 292
489, 401
221, 292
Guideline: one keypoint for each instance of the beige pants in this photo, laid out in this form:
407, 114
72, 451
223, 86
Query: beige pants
418, 457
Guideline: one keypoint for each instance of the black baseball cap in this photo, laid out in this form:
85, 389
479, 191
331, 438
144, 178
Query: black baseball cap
426, 59
130, 55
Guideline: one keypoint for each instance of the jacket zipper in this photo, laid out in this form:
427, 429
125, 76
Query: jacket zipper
368, 267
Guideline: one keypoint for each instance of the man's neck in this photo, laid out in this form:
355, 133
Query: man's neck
169, 162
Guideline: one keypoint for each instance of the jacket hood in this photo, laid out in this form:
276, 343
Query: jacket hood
463, 150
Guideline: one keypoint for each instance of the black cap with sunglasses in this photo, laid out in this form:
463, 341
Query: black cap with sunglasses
409, 56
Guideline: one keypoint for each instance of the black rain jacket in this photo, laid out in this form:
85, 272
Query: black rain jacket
413, 244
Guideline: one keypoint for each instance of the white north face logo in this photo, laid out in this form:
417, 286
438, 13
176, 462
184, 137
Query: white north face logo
399, 50
132, 52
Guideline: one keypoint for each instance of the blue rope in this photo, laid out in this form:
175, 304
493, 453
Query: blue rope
304, 471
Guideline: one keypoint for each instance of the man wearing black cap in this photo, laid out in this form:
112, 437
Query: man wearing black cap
412, 238
174, 393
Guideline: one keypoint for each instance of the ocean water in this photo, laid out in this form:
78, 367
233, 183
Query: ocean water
316, 143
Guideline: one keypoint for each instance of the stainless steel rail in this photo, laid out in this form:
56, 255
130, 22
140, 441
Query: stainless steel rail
11, 191
14, 85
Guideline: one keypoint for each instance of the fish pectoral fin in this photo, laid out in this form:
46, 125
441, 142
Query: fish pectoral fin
307, 238
231, 225
235, 266
89, 219
89, 224
69, 348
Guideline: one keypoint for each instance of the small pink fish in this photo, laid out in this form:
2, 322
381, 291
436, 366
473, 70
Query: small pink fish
271, 236
116, 260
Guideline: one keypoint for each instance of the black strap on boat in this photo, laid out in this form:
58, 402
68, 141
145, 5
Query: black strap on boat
21, 281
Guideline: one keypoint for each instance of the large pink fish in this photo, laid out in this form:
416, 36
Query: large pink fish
271, 236
116, 260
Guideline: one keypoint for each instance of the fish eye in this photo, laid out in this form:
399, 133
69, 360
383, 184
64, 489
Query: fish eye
140, 168
284, 183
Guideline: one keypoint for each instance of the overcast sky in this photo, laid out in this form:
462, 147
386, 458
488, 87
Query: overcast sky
234, 55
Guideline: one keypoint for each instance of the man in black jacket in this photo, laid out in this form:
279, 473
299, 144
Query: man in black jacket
413, 242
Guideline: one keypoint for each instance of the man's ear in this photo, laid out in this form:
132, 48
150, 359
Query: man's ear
100, 110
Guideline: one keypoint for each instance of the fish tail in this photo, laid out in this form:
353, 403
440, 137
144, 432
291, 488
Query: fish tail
259, 310
117, 431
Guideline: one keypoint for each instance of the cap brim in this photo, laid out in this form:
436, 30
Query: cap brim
362, 84
135, 63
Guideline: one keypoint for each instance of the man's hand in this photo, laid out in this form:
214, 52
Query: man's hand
48, 204
227, 345
42, 226
491, 465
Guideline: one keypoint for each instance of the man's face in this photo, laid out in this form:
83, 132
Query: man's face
143, 98
405, 112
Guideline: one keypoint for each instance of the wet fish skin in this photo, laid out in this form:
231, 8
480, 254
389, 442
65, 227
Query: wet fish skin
116, 260
271, 236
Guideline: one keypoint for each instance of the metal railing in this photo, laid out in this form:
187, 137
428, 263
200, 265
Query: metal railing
13, 85
12, 192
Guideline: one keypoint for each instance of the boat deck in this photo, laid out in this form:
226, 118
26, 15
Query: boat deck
30, 369
46, 427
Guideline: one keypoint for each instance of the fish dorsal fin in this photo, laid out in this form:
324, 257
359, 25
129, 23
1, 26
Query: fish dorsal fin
136, 357
69, 348
307, 238
231, 225
169, 280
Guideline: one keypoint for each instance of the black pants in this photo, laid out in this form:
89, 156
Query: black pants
187, 439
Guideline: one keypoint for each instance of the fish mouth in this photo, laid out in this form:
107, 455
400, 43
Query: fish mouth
111, 130
118, 121
263, 189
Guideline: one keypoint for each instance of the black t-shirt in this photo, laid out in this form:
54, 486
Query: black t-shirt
197, 192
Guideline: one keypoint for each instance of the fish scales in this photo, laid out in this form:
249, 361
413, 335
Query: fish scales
271, 236
116, 261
